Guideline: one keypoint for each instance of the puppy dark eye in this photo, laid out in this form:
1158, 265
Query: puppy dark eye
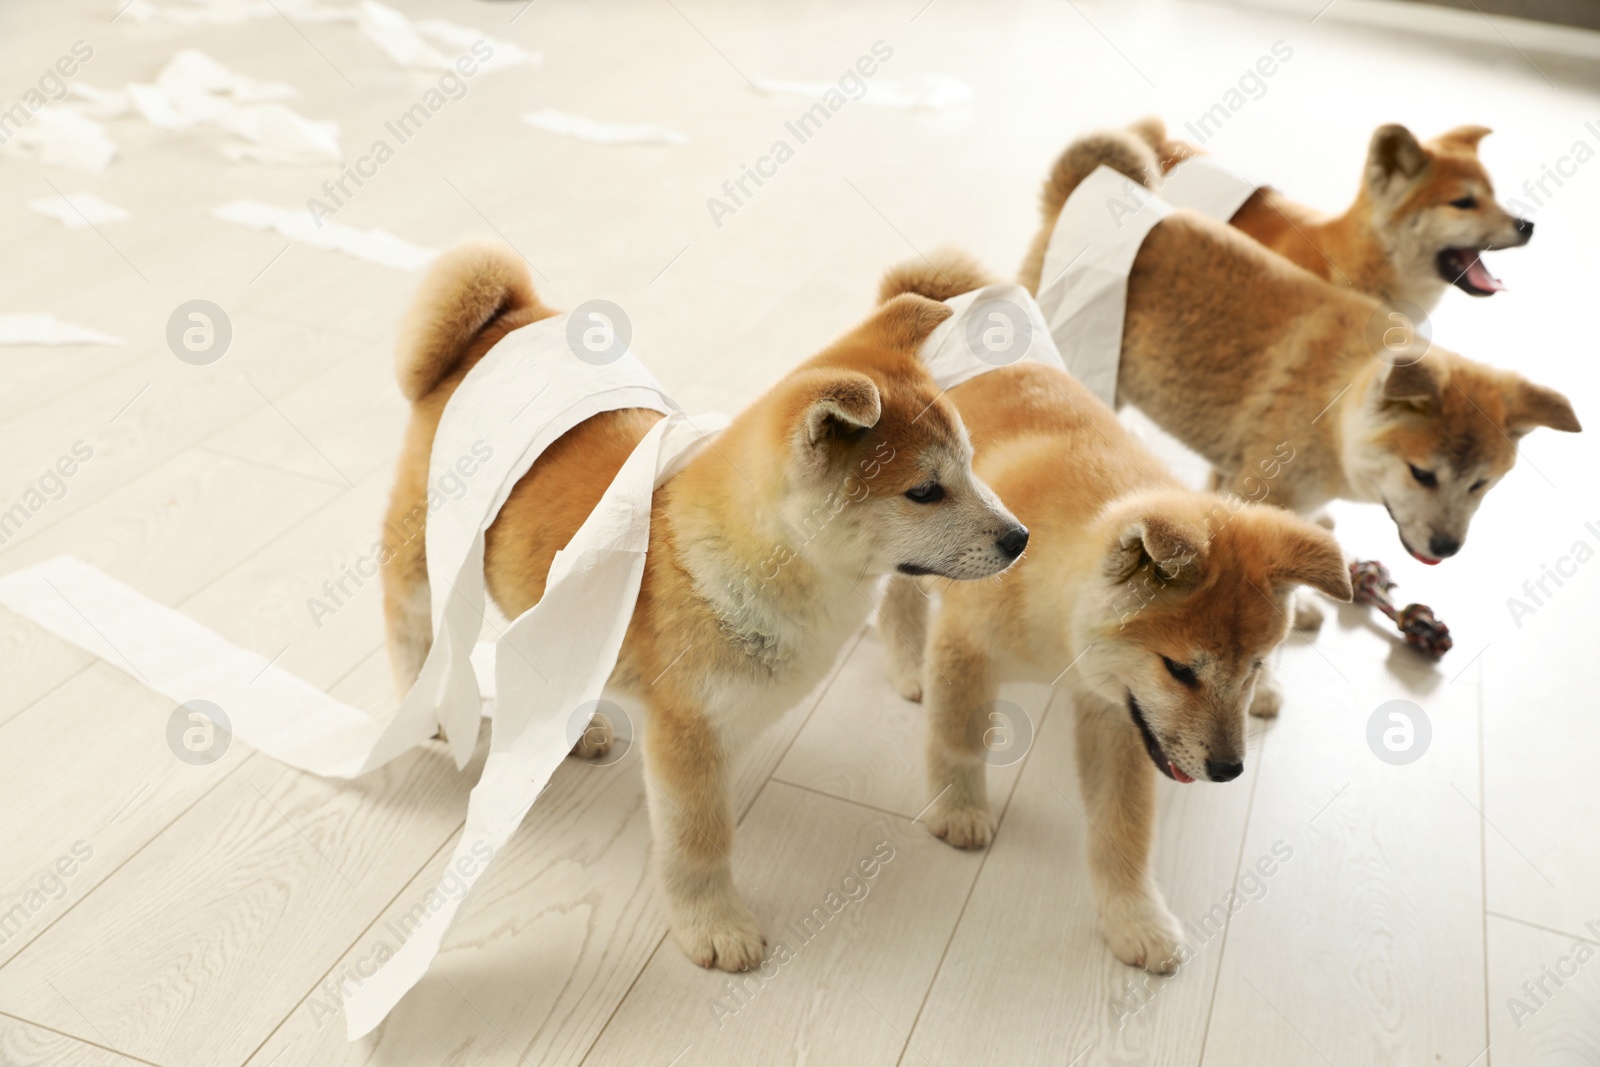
1466, 203
1479, 484
1182, 672
1426, 479
929, 493
1256, 666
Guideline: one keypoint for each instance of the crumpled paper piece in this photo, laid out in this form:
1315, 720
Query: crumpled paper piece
402, 40
78, 210
374, 246
60, 137
39, 329
606, 133
195, 90
935, 92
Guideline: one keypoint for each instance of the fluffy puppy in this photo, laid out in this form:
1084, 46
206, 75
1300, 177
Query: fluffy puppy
852, 466
1162, 601
1422, 214
1238, 353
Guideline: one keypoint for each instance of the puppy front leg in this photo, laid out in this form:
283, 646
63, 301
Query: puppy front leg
1119, 797
903, 630
692, 823
960, 683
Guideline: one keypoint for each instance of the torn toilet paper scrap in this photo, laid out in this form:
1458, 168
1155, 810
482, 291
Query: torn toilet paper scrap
406, 41
935, 92
192, 73
462, 39
995, 326
61, 137
607, 133
375, 246
78, 210
278, 134
1204, 185
39, 329
1083, 288
228, 12
195, 90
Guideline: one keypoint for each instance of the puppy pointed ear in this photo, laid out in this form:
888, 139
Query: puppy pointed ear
1417, 385
1464, 138
1306, 554
1530, 406
906, 321
842, 404
1393, 153
1151, 539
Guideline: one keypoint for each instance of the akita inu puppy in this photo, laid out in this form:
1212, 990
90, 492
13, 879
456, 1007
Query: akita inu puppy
1421, 217
852, 466
1234, 350
1162, 600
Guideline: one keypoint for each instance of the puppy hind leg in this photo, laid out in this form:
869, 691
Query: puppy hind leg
692, 824
1118, 785
903, 630
960, 686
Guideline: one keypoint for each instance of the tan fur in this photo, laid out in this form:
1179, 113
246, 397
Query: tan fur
757, 549
1252, 361
1387, 243
1125, 567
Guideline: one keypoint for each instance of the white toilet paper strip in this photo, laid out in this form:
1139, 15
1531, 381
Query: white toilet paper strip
78, 210
1206, 186
40, 329
992, 327
374, 246
1083, 289
607, 133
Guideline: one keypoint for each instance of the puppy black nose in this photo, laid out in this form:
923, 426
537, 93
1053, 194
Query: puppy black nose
1525, 227
1014, 541
1442, 546
1223, 772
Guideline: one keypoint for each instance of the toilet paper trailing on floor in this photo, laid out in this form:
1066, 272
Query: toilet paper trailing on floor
513, 404
1204, 185
1083, 289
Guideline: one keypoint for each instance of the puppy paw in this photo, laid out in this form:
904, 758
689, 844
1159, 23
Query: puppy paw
968, 827
728, 938
1268, 699
1308, 615
1143, 933
596, 739
907, 681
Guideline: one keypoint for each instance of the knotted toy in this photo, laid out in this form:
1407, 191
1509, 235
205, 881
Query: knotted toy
1417, 624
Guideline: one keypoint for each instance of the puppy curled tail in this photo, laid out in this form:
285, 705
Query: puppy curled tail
1121, 150
946, 273
467, 288
1169, 153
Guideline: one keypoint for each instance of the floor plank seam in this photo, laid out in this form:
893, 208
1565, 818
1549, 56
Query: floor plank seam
1222, 948
955, 927
77, 1039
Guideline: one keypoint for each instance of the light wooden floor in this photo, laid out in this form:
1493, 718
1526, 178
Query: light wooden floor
219, 908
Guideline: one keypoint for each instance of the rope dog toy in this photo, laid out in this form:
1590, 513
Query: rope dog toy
1416, 622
